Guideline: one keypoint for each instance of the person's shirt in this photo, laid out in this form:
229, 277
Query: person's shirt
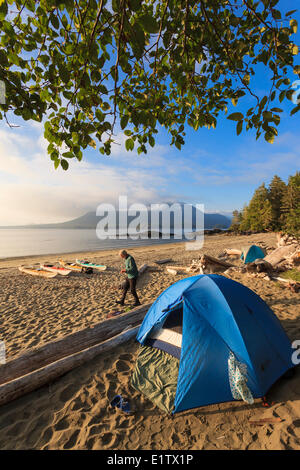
130, 266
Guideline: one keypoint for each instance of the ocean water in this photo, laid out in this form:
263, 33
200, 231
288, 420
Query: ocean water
29, 242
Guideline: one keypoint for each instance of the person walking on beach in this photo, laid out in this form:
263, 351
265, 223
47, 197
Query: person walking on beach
132, 275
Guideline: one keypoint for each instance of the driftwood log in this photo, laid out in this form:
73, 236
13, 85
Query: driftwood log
171, 271
179, 268
37, 358
209, 264
175, 269
280, 254
163, 261
142, 269
232, 252
27, 383
259, 265
284, 239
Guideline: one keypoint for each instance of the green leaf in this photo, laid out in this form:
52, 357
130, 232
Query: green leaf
297, 69
282, 95
263, 102
239, 127
124, 121
135, 5
294, 26
246, 79
289, 13
236, 117
3, 58
75, 137
269, 137
148, 23
289, 94
115, 5
151, 141
276, 14
54, 21
79, 155
26, 114
295, 110
129, 144
92, 143
267, 115
68, 155
64, 164
3, 9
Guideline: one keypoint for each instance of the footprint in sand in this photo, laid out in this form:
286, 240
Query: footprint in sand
96, 419
122, 366
294, 429
175, 439
98, 429
72, 441
76, 404
111, 391
126, 357
62, 424
47, 436
123, 423
109, 439
100, 386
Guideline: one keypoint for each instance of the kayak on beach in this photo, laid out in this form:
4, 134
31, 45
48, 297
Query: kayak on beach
55, 269
71, 266
86, 264
37, 271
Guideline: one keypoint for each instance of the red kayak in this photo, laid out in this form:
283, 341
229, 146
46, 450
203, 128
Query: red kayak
56, 269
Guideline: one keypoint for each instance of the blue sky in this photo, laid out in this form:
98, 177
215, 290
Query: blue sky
215, 167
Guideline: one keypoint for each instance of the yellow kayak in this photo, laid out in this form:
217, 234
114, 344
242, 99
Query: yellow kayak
72, 266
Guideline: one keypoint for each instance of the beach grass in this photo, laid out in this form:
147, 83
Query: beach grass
292, 274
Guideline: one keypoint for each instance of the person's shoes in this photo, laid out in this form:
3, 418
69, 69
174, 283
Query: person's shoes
136, 304
119, 302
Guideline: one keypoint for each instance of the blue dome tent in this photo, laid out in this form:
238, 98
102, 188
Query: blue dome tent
200, 329
251, 253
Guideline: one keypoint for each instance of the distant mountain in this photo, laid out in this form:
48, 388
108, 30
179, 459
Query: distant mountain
90, 221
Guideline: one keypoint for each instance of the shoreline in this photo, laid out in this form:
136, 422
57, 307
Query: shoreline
104, 252
147, 242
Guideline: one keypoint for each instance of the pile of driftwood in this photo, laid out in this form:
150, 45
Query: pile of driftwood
208, 264
204, 265
285, 256
282, 258
284, 239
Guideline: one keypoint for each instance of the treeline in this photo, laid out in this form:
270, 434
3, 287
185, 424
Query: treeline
273, 208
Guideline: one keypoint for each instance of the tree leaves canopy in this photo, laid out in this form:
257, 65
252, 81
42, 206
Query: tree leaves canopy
85, 66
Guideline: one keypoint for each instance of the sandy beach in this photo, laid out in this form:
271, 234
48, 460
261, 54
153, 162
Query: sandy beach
73, 412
